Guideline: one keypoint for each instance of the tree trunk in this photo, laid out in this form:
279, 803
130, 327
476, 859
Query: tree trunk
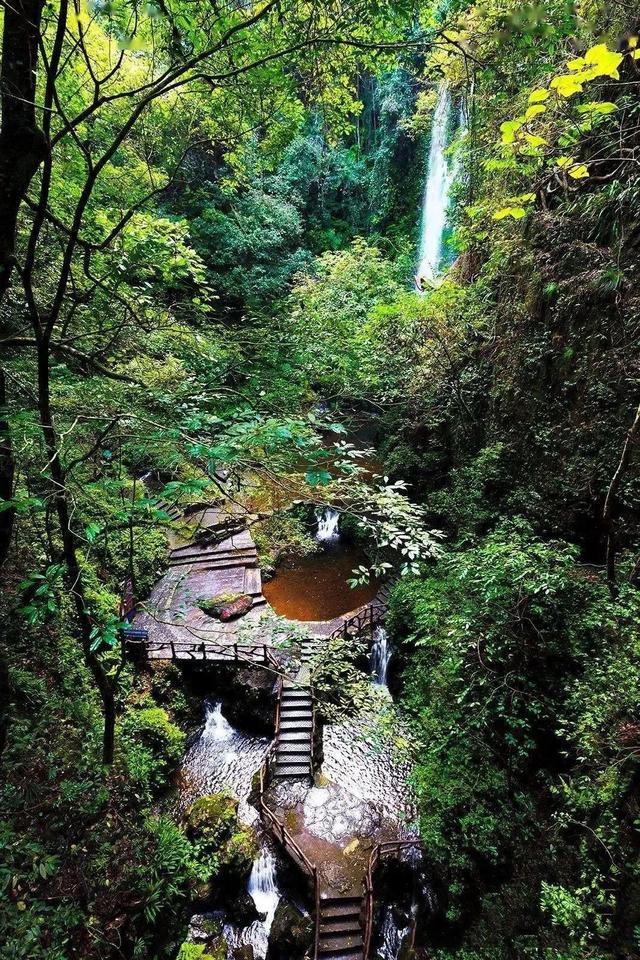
23, 145
7, 469
73, 574
614, 486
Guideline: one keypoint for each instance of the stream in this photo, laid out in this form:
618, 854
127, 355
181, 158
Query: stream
360, 796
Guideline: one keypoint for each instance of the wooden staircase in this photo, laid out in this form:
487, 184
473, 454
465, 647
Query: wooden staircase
340, 929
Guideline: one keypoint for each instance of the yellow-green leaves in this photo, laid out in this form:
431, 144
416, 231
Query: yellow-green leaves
539, 96
516, 213
578, 171
509, 129
515, 210
598, 61
534, 111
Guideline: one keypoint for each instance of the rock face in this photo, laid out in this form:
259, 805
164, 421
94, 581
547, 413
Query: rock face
291, 934
226, 606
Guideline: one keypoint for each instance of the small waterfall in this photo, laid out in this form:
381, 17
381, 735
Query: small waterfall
380, 656
440, 176
216, 728
263, 889
328, 525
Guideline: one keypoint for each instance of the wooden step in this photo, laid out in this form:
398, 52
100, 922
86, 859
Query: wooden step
349, 924
340, 907
295, 715
339, 942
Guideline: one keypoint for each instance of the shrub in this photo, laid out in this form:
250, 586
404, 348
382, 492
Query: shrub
153, 747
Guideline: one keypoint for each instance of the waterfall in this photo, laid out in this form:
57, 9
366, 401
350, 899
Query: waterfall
328, 521
216, 727
441, 173
380, 656
263, 889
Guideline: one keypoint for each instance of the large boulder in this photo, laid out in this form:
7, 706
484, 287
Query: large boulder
291, 934
226, 606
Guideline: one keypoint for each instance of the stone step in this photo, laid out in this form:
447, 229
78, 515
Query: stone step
350, 954
211, 563
296, 697
210, 550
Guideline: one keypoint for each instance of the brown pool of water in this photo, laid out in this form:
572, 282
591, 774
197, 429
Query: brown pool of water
316, 588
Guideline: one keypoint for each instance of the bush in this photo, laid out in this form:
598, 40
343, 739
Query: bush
153, 748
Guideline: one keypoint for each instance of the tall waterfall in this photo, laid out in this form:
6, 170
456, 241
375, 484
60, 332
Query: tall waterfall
441, 173
380, 656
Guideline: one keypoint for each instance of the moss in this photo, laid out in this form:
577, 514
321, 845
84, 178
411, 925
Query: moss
228, 845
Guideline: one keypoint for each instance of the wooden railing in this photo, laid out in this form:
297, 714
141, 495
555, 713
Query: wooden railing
259, 653
288, 843
364, 621
385, 849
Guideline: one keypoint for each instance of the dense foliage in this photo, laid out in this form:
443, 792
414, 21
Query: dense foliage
208, 227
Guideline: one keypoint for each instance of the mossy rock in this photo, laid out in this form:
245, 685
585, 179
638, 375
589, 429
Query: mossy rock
211, 813
291, 934
221, 840
226, 606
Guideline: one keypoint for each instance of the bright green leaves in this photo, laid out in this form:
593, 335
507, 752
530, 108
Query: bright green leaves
597, 107
515, 213
579, 171
515, 210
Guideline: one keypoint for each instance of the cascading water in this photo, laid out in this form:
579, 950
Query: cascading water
380, 656
263, 889
441, 173
328, 525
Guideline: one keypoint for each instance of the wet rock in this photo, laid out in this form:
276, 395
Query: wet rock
242, 911
226, 606
243, 952
291, 934
249, 700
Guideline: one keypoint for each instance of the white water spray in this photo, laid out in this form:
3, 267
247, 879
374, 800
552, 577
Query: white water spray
380, 656
328, 525
441, 173
263, 889
216, 727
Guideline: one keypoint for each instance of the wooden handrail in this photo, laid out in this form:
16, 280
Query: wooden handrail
364, 620
380, 850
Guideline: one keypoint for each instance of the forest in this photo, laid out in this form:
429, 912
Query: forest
320, 480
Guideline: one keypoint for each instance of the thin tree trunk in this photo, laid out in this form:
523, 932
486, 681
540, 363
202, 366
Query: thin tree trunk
23, 145
7, 470
74, 576
614, 486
